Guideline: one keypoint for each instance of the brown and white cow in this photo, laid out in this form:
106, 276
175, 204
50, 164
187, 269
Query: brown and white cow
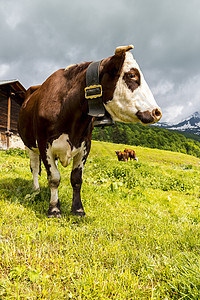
122, 156
54, 122
131, 154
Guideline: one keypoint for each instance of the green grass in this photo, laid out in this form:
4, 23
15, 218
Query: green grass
140, 238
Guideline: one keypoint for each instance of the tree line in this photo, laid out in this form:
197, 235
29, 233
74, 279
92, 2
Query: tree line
148, 136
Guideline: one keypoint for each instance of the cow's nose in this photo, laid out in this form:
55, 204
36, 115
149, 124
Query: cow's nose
157, 114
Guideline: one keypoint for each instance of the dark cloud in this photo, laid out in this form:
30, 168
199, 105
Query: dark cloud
38, 37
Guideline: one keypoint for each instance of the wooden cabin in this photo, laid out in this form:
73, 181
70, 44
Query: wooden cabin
11, 97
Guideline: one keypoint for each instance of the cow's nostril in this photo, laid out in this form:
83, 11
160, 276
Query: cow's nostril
157, 114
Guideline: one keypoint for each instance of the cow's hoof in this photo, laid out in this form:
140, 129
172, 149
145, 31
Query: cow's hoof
54, 214
78, 212
54, 211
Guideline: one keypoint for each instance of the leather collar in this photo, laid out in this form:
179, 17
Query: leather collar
94, 91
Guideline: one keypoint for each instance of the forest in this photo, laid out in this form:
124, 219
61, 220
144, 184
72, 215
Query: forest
149, 136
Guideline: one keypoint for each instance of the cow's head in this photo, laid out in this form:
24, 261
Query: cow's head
126, 95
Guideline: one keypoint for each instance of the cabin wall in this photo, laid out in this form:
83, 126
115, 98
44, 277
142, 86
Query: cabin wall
14, 139
15, 108
3, 114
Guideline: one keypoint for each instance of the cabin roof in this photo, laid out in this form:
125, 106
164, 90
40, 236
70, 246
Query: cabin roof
15, 88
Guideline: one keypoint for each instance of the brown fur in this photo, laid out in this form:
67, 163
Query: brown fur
132, 79
131, 153
122, 156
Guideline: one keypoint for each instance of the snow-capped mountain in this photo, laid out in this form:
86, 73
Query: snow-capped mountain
191, 124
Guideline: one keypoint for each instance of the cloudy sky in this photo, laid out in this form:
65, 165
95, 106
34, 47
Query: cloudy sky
37, 37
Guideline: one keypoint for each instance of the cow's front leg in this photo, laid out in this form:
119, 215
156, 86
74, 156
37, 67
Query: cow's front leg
76, 180
53, 177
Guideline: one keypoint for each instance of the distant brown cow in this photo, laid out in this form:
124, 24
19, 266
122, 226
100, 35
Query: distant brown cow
131, 154
122, 156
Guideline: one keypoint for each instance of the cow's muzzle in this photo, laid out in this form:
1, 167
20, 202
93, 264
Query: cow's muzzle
147, 117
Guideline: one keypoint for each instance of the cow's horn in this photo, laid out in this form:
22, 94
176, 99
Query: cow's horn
119, 50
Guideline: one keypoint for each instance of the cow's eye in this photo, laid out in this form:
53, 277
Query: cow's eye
131, 75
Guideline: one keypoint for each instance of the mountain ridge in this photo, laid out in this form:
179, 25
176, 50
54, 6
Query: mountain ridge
191, 124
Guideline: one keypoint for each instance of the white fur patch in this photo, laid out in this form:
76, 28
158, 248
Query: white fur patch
68, 67
80, 210
54, 197
125, 103
78, 158
62, 150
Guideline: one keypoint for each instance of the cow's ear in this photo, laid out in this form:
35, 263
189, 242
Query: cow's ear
113, 64
122, 49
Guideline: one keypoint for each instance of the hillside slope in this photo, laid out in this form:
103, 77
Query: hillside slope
139, 239
149, 136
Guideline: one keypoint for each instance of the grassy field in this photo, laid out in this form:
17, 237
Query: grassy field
140, 238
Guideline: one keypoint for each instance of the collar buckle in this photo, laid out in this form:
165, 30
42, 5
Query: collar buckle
93, 91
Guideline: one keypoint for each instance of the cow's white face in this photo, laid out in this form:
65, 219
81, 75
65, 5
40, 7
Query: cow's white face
132, 99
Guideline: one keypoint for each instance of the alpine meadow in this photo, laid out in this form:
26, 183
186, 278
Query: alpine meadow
140, 238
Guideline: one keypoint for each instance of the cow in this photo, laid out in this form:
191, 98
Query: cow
131, 154
122, 156
55, 124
